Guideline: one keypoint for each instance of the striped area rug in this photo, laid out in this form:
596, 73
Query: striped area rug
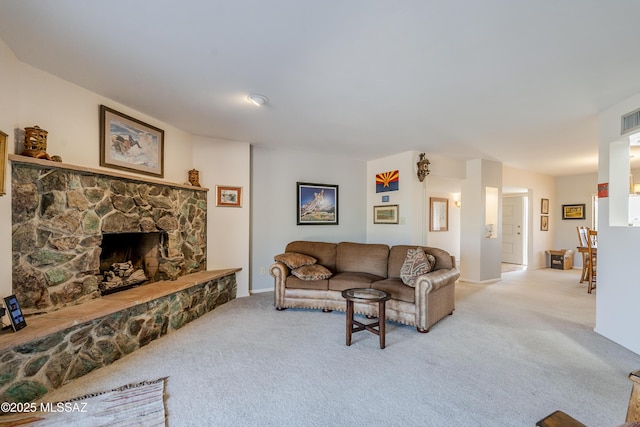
139, 404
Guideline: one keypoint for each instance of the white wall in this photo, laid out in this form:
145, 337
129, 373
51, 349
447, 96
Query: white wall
617, 292
409, 198
480, 257
413, 200
447, 240
8, 118
71, 116
226, 163
273, 215
573, 189
539, 187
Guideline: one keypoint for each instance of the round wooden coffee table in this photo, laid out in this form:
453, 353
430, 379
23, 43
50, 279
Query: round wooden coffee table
366, 295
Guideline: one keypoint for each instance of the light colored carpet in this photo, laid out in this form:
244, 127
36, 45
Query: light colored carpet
140, 404
512, 353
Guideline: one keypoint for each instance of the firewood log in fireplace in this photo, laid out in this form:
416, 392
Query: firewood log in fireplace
122, 274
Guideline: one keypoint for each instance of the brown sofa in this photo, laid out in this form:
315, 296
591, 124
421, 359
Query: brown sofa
362, 265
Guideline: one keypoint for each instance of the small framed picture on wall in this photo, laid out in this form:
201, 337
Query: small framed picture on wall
544, 223
544, 207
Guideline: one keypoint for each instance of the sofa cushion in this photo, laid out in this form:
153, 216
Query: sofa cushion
292, 282
398, 290
294, 259
325, 253
362, 257
312, 272
398, 253
416, 263
347, 280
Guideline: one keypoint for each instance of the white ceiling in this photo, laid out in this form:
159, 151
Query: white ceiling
518, 81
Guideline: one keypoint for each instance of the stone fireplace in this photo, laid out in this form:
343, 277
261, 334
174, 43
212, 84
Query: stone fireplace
71, 224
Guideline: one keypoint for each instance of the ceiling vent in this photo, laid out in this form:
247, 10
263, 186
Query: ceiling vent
630, 122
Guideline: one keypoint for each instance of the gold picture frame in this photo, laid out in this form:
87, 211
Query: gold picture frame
438, 214
3, 161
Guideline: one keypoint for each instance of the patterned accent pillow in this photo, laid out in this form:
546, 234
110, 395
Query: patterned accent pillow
294, 260
416, 264
312, 272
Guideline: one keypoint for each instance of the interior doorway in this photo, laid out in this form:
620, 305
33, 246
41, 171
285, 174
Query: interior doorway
514, 229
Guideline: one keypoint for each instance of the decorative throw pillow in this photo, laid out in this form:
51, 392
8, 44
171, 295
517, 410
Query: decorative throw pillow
294, 260
312, 272
415, 264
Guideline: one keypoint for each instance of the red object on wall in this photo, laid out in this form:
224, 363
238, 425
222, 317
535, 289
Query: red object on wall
603, 190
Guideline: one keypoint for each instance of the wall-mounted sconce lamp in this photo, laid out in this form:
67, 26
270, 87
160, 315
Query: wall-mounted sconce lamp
423, 167
456, 200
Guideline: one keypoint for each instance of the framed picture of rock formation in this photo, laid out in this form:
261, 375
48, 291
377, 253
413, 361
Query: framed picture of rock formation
317, 204
130, 144
3, 161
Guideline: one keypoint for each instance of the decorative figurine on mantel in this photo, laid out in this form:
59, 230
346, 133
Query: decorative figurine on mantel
194, 177
35, 143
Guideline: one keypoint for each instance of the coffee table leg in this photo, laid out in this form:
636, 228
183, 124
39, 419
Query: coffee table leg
381, 322
349, 321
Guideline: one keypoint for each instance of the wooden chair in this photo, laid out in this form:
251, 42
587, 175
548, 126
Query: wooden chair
592, 245
633, 412
583, 236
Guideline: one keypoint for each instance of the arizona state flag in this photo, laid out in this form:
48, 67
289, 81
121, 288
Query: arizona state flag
387, 181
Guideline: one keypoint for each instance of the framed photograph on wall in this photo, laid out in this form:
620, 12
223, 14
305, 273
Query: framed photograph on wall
544, 207
228, 196
544, 223
438, 214
385, 214
130, 144
3, 161
573, 211
317, 204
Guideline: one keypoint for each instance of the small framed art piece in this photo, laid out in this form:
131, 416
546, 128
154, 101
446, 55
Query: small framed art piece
3, 161
573, 211
385, 214
438, 214
317, 204
228, 196
544, 223
130, 144
544, 207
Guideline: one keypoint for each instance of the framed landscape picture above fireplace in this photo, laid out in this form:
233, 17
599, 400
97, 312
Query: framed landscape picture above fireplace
130, 144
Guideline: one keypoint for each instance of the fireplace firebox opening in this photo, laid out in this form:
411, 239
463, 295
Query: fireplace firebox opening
130, 259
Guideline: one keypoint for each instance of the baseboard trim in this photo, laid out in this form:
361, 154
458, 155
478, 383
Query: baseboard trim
479, 282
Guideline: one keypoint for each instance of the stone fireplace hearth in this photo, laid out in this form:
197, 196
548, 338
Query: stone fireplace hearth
61, 213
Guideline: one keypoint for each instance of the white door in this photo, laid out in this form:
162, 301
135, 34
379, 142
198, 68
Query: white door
512, 229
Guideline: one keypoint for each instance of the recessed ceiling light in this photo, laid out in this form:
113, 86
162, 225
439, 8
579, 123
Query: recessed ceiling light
258, 100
